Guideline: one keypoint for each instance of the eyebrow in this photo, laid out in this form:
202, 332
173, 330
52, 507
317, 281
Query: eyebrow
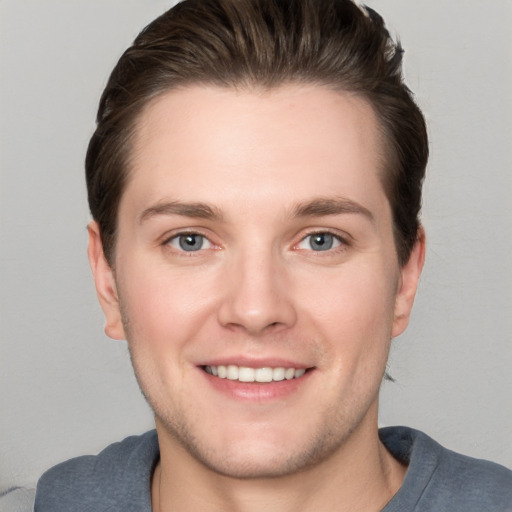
331, 206
314, 208
195, 210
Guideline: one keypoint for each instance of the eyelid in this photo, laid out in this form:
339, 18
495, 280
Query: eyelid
343, 239
181, 249
175, 234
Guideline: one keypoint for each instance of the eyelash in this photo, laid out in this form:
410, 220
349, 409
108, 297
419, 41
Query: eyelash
341, 241
177, 236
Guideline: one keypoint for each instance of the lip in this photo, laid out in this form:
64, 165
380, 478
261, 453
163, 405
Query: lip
256, 392
249, 362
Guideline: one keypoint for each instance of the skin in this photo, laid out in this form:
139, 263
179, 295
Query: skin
270, 170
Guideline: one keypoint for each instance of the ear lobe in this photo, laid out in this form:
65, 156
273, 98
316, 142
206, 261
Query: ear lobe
409, 278
105, 284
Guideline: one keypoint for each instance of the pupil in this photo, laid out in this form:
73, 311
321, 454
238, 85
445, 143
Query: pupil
191, 242
322, 242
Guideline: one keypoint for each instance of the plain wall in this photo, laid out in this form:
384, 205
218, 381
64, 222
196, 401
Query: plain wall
66, 389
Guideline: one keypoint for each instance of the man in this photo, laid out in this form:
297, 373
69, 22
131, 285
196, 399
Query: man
255, 184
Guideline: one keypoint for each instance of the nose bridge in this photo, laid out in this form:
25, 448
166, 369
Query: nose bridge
255, 297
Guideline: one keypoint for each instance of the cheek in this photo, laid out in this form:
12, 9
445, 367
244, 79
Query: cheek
353, 307
163, 309
162, 316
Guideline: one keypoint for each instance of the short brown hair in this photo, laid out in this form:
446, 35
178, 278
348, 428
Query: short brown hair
263, 43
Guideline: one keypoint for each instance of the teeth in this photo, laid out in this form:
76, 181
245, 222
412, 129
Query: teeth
245, 374
232, 372
278, 374
289, 373
263, 375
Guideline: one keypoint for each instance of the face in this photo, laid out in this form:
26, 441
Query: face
256, 277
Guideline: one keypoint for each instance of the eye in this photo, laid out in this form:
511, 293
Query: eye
189, 242
320, 242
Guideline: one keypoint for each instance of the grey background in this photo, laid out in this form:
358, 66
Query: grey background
66, 389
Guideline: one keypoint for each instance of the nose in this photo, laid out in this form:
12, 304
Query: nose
257, 296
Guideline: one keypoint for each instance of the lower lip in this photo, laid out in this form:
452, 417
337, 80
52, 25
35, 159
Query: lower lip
256, 391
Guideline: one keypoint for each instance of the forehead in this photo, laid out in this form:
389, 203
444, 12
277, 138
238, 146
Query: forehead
208, 142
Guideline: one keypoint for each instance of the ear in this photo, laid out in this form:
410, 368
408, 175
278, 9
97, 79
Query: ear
105, 284
409, 278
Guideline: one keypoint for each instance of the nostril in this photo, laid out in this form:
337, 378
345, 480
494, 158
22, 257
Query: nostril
255, 313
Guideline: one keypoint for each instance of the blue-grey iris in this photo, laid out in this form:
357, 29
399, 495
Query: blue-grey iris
321, 241
191, 242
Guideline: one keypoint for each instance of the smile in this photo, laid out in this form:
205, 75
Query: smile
246, 374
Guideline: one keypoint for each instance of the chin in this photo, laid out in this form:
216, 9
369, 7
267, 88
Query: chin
256, 463
259, 455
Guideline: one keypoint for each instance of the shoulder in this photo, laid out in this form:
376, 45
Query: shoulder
484, 485
121, 472
440, 479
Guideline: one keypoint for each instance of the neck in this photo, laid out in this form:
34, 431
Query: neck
360, 476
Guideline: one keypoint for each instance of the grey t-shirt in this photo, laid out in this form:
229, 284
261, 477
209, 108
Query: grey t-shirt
437, 479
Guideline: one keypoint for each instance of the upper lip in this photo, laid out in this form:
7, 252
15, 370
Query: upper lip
267, 362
